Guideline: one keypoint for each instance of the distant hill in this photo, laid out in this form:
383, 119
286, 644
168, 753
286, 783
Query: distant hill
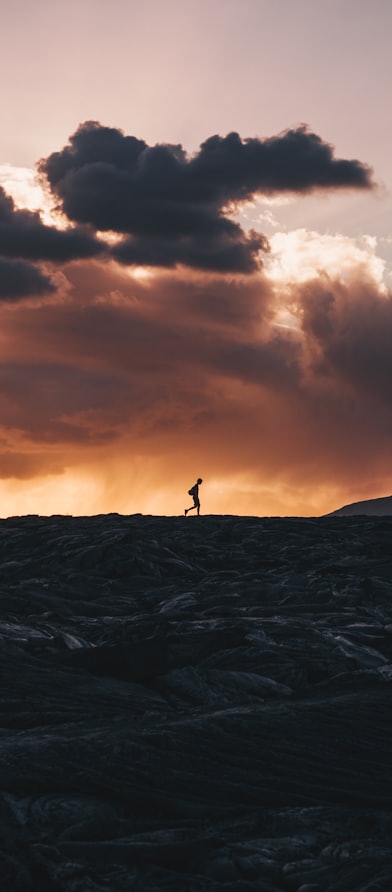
373, 507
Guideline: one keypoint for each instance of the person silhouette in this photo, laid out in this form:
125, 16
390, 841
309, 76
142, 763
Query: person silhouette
194, 491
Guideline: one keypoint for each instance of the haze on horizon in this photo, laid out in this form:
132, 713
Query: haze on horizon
195, 256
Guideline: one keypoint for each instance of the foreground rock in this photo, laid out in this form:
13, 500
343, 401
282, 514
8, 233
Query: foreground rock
195, 704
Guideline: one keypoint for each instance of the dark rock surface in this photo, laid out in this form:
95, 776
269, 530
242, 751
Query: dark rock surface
195, 704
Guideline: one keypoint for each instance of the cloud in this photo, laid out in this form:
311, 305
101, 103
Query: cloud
20, 280
173, 209
21, 183
294, 161
273, 382
184, 373
302, 254
23, 235
347, 330
228, 251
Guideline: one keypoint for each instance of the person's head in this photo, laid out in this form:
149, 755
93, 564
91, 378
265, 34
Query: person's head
199, 480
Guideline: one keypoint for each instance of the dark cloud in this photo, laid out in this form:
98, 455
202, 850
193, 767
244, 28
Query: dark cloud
24, 235
294, 161
49, 395
348, 333
229, 251
19, 280
173, 208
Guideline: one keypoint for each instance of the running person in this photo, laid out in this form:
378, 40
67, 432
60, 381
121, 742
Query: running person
194, 492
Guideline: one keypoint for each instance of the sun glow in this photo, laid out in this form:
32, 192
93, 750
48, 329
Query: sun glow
140, 273
69, 493
77, 493
23, 185
302, 255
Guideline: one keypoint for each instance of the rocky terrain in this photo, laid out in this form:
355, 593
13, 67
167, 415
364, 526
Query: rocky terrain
373, 507
195, 704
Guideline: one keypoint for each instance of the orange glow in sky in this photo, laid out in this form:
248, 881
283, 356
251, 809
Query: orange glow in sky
175, 299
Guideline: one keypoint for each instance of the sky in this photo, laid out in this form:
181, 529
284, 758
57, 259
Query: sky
195, 256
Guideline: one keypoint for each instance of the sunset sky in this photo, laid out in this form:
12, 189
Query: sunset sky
195, 255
